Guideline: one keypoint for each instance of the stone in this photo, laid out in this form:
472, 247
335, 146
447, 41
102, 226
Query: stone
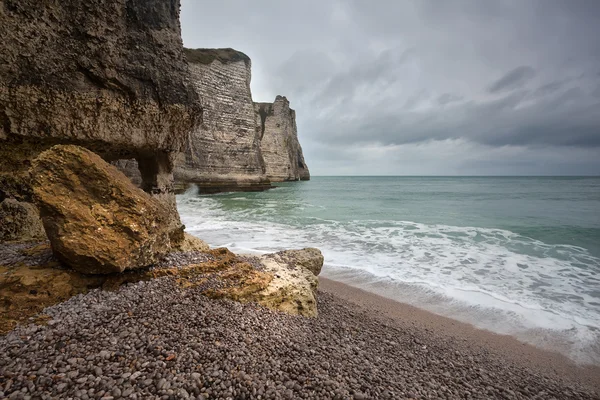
97, 221
309, 258
280, 148
293, 288
20, 221
108, 75
191, 243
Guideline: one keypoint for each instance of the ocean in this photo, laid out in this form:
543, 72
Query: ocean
514, 255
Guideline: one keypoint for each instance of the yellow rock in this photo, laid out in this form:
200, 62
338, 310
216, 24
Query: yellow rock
97, 221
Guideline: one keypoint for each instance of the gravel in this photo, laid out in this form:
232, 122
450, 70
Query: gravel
156, 340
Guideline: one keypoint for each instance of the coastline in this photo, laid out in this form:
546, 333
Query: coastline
460, 335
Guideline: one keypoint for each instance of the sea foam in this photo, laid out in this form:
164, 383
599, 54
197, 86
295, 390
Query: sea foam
544, 294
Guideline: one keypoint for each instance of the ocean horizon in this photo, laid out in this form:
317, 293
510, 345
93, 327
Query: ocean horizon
517, 256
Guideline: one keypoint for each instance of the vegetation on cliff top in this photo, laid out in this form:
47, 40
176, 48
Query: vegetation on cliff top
206, 56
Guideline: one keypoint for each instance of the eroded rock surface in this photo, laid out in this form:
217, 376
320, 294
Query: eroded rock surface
32, 278
240, 145
280, 148
107, 75
97, 221
309, 258
20, 221
110, 72
294, 285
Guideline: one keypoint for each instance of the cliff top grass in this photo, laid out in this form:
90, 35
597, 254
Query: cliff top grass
206, 56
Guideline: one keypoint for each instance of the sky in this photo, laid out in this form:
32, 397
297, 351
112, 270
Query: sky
423, 87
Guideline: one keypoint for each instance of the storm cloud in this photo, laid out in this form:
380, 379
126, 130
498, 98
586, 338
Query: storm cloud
427, 87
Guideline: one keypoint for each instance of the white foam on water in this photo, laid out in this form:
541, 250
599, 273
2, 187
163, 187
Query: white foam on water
495, 279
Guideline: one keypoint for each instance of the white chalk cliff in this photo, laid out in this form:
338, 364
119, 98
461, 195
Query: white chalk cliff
240, 145
279, 143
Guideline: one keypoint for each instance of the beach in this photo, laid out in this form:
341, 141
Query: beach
158, 340
516, 256
459, 336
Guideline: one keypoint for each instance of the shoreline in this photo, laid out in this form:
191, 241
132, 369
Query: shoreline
461, 334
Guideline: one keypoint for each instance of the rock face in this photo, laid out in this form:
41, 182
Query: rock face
107, 75
223, 153
96, 219
280, 147
20, 221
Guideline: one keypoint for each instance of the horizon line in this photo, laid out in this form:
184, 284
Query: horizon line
458, 176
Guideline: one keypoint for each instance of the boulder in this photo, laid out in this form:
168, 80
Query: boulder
293, 288
97, 221
19, 221
309, 258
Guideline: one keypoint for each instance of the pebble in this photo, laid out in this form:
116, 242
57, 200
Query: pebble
116, 345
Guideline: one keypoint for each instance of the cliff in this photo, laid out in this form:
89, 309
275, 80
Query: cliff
279, 144
223, 153
110, 76
240, 145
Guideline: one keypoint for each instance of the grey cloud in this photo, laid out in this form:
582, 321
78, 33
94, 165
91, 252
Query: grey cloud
448, 98
513, 79
549, 88
492, 74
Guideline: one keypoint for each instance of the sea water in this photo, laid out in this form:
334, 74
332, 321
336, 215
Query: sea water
514, 255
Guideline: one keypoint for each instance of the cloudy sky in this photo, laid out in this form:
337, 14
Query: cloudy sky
454, 87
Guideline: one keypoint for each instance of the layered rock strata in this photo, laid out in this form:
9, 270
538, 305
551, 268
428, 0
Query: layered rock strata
223, 153
279, 143
240, 145
107, 75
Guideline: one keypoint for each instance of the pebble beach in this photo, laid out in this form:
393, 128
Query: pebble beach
157, 340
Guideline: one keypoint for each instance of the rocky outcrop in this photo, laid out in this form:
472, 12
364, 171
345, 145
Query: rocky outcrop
293, 288
20, 221
32, 279
96, 219
223, 153
279, 144
107, 75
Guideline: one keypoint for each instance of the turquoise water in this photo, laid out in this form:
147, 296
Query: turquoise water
516, 255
